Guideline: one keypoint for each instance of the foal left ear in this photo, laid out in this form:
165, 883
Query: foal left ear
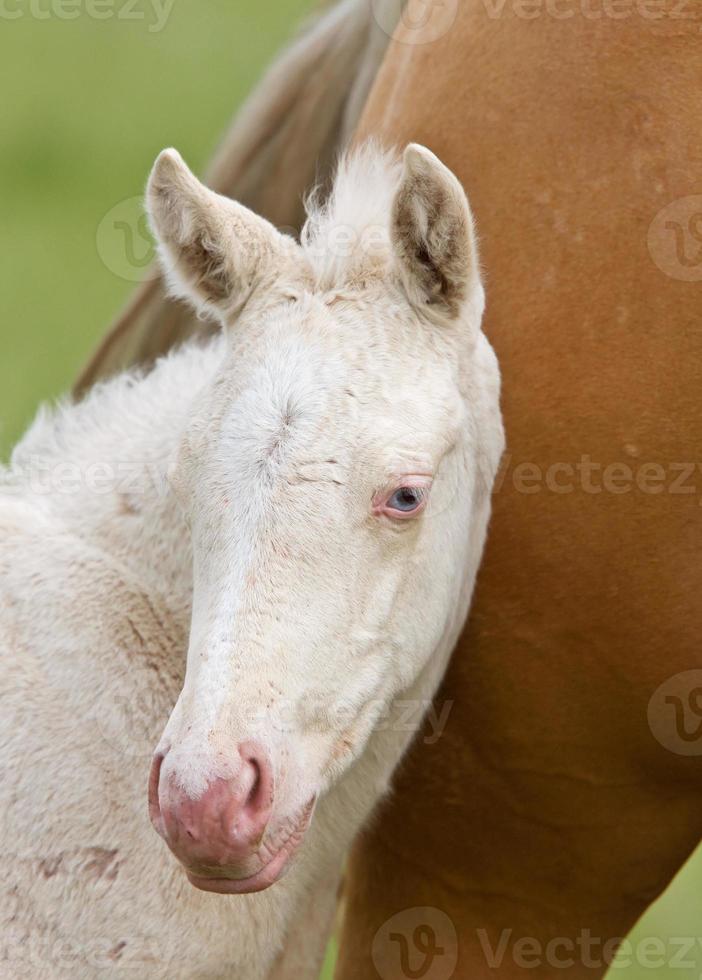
433, 235
214, 251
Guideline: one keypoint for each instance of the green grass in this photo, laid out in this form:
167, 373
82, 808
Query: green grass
670, 934
86, 106
328, 969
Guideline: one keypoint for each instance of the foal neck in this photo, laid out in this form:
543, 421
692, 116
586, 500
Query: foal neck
101, 466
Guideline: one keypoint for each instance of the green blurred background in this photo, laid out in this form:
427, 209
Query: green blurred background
87, 104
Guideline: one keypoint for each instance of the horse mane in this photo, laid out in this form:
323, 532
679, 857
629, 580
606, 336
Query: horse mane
117, 411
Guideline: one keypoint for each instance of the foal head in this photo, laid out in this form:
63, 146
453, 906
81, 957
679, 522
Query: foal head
335, 476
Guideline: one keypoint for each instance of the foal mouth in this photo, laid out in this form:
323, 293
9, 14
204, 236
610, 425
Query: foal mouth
223, 882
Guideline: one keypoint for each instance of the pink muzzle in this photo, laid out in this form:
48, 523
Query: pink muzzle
221, 836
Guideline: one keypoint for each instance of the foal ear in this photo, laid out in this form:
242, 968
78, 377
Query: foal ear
213, 250
433, 234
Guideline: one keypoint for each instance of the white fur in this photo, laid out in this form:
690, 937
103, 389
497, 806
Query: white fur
252, 460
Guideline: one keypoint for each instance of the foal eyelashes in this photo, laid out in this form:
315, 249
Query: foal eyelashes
406, 499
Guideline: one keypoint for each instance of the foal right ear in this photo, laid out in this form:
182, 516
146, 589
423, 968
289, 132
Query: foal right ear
433, 235
213, 250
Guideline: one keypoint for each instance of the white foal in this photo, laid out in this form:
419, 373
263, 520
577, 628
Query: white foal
299, 505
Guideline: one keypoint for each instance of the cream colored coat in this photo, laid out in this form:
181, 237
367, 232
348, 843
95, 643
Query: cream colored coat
313, 618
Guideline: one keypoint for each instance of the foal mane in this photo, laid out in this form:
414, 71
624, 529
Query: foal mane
346, 236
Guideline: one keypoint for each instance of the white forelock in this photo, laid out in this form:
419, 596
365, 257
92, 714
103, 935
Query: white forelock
352, 225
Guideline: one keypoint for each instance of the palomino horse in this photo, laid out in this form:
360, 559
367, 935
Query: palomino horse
300, 503
562, 798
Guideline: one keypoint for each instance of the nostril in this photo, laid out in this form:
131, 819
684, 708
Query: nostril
255, 781
258, 793
224, 823
154, 805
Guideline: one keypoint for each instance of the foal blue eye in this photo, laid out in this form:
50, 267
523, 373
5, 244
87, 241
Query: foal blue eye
406, 499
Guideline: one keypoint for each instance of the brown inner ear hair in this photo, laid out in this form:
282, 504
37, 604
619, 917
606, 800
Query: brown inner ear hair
438, 286
206, 264
428, 264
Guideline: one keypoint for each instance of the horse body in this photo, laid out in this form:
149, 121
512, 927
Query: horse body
572, 135
92, 664
560, 816
299, 504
